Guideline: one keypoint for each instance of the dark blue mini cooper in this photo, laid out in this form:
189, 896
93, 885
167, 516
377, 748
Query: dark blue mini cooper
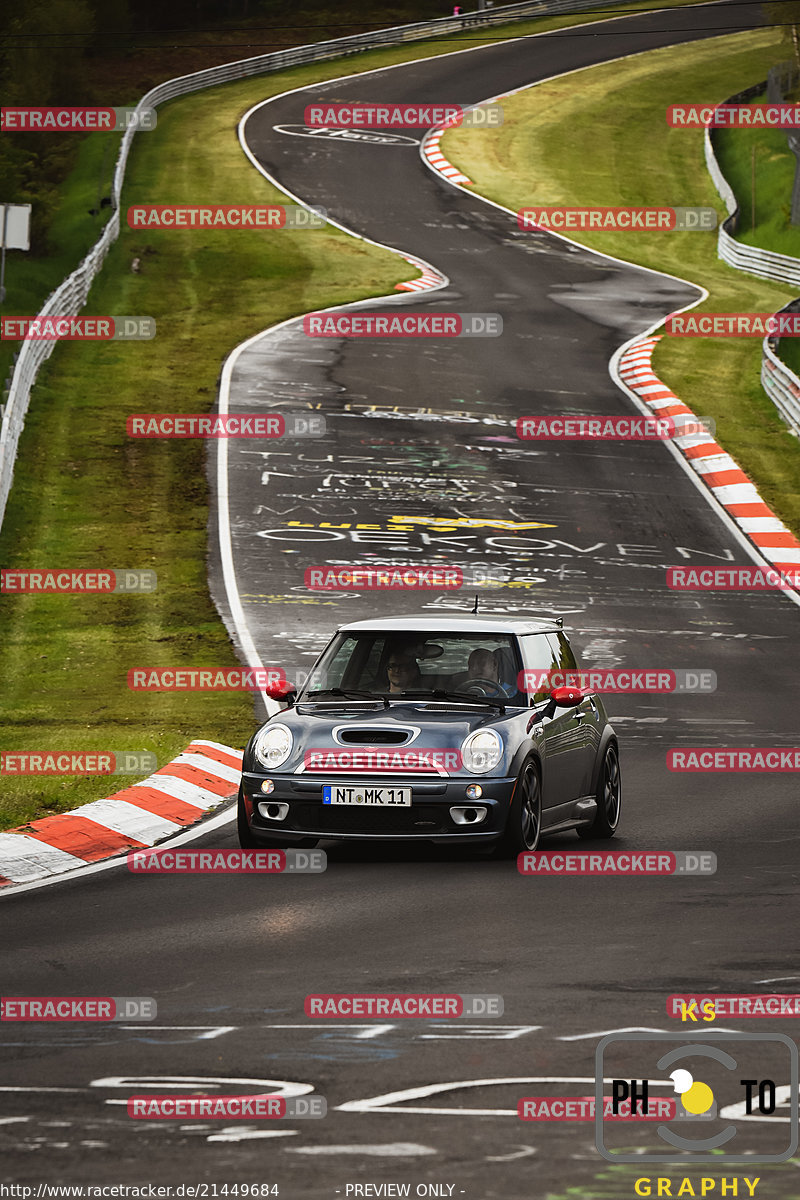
441, 729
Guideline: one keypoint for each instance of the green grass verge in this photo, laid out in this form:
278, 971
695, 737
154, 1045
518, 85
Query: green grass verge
765, 201
30, 277
774, 176
604, 141
789, 352
86, 496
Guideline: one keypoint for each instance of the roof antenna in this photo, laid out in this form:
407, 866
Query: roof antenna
475, 605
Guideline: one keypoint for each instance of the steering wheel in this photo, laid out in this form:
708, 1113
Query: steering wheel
482, 687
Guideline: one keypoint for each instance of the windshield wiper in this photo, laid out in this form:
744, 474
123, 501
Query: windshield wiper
440, 694
348, 694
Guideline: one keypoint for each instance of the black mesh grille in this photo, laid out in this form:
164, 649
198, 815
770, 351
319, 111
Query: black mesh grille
418, 818
375, 737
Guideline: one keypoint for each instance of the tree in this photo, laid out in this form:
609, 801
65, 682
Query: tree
787, 12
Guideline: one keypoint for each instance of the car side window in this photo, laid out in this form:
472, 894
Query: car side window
540, 656
564, 657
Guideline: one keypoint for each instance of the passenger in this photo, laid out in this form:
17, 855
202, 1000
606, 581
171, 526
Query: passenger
403, 672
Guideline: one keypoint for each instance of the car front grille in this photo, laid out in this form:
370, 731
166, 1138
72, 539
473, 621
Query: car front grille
341, 818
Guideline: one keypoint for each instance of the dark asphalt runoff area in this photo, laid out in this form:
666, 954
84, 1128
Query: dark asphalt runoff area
421, 464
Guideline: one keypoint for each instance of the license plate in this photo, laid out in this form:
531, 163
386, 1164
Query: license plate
380, 796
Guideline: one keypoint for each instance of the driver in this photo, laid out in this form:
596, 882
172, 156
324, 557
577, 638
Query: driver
483, 664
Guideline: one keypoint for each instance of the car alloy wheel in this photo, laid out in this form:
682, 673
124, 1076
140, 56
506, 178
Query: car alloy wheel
524, 823
609, 798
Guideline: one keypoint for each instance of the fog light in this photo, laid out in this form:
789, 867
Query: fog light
268, 786
273, 810
468, 816
474, 791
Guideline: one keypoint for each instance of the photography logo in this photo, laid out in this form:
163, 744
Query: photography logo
719, 1079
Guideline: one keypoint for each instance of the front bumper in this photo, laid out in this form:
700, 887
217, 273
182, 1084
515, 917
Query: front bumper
428, 818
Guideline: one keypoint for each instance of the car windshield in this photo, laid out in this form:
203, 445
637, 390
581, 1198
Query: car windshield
393, 663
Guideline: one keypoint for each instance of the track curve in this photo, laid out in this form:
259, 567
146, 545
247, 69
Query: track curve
425, 432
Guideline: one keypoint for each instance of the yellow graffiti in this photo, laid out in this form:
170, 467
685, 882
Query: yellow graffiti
439, 524
472, 522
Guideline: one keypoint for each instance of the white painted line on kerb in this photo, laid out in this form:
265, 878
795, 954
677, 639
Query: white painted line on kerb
216, 746
27, 858
129, 820
191, 835
180, 789
209, 766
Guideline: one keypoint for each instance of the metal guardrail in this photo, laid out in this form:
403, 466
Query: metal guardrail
66, 300
781, 385
724, 189
767, 264
72, 294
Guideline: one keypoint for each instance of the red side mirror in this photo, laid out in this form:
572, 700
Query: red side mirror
281, 690
568, 697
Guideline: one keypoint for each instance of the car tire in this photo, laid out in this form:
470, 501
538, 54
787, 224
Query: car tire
609, 798
524, 822
246, 839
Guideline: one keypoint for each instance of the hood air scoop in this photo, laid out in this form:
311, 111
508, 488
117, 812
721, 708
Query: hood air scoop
374, 736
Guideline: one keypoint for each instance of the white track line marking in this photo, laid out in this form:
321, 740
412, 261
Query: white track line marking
388, 1150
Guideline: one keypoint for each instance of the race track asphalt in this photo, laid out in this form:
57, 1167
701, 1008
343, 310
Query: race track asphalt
418, 431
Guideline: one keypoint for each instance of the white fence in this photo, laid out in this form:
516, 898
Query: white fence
71, 295
764, 263
781, 385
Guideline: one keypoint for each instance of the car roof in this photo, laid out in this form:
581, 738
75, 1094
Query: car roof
456, 623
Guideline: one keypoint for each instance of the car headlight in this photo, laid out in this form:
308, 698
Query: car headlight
273, 745
481, 751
